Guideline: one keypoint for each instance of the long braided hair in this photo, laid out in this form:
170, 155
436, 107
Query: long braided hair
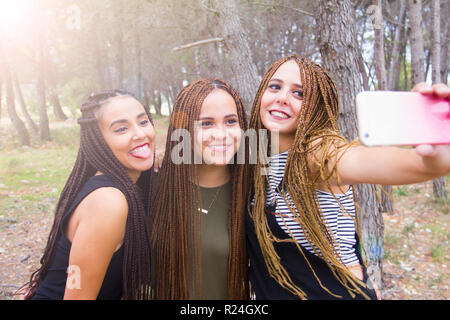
317, 133
95, 155
176, 230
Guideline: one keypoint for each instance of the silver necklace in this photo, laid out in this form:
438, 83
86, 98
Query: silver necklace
205, 211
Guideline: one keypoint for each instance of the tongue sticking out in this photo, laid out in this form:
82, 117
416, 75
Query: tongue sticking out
141, 152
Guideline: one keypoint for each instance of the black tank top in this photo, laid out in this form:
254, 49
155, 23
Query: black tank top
54, 283
267, 288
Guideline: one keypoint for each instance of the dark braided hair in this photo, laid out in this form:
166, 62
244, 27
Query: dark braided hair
177, 223
95, 155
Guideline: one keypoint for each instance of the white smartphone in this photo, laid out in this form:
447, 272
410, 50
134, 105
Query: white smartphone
388, 118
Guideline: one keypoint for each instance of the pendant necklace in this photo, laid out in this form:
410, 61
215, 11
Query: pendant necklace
205, 211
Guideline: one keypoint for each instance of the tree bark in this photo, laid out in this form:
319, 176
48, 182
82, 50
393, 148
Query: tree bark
246, 78
438, 184
336, 36
445, 40
380, 64
416, 41
435, 41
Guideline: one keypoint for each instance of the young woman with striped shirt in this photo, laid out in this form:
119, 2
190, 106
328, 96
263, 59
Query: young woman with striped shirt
302, 226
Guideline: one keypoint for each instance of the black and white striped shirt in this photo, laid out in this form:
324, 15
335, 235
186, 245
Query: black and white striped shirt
340, 222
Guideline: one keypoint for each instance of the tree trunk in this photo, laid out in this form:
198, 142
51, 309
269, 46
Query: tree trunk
158, 102
138, 65
31, 124
336, 36
394, 66
400, 60
246, 78
416, 41
168, 93
445, 41
380, 64
438, 184
52, 89
119, 43
54, 100
386, 204
405, 69
100, 58
427, 62
145, 98
44, 128
18, 124
362, 70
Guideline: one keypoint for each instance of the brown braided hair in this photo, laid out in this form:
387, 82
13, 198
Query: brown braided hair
317, 134
176, 228
95, 155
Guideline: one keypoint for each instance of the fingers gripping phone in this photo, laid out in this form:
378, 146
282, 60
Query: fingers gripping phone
402, 118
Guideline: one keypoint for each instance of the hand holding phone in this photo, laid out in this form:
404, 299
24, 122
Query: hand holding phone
403, 118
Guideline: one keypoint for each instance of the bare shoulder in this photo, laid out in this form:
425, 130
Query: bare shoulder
106, 202
103, 209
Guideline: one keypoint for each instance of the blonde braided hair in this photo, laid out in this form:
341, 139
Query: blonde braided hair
317, 134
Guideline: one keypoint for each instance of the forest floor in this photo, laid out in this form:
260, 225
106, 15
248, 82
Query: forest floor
417, 235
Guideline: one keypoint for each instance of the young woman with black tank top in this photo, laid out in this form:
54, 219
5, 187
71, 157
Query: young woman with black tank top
302, 226
99, 244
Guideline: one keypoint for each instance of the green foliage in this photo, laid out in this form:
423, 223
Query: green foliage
438, 253
409, 228
400, 191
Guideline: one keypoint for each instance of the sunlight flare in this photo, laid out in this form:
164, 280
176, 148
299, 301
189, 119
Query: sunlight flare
15, 14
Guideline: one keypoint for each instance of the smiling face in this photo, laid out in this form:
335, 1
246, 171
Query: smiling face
281, 103
217, 131
128, 132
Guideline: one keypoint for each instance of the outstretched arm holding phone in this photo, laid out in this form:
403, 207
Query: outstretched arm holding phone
393, 165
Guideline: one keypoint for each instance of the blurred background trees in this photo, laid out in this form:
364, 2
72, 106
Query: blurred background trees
61, 50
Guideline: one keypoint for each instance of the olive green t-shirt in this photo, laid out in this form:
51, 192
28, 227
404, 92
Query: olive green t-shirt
216, 203
215, 242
